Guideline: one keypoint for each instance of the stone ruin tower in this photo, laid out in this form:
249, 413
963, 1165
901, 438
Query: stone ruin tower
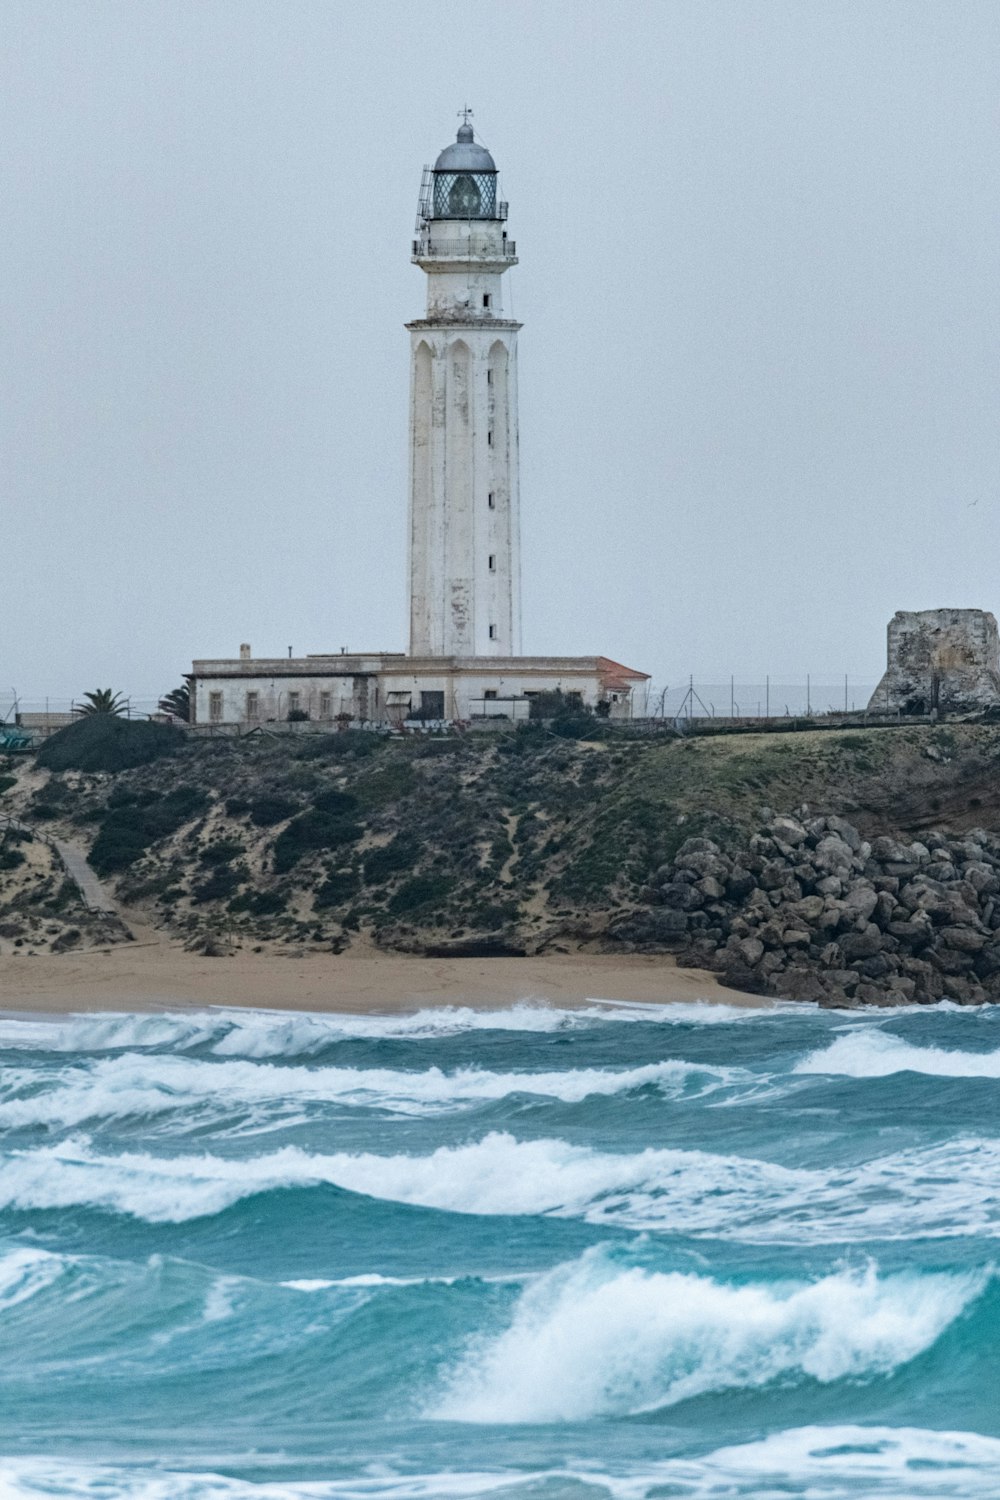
940, 660
464, 532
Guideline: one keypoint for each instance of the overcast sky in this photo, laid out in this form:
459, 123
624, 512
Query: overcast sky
759, 369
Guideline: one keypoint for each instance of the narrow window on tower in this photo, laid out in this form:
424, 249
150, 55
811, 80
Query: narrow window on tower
489, 437
492, 501
493, 562
486, 299
493, 632
489, 377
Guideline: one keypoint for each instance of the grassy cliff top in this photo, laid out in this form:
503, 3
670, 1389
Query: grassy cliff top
516, 840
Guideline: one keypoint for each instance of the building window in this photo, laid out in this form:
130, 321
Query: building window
489, 377
326, 705
294, 702
492, 501
215, 708
490, 695
493, 562
489, 437
493, 632
486, 299
253, 706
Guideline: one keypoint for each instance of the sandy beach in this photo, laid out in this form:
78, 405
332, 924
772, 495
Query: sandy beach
156, 975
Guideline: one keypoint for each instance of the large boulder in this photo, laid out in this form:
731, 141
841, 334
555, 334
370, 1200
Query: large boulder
845, 831
739, 884
856, 945
859, 903
832, 854
788, 830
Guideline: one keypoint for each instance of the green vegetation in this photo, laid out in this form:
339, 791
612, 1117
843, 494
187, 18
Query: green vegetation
421, 892
103, 701
382, 864
222, 851
317, 828
223, 882
127, 832
260, 903
270, 809
338, 887
177, 702
102, 742
533, 835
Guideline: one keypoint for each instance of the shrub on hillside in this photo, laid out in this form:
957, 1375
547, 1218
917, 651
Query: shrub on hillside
221, 851
314, 829
271, 808
338, 887
102, 742
223, 881
259, 903
382, 864
421, 892
352, 744
388, 783
127, 832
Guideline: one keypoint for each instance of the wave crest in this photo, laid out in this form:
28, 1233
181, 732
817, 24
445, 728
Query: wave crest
935, 1191
593, 1339
138, 1086
872, 1053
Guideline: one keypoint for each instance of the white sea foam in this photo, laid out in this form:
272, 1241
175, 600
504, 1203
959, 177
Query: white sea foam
234, 1032
935, 1191
137, 1085
845, 1462
848, 1462
593, 1338
25, 1271
375, 1279
873, 1053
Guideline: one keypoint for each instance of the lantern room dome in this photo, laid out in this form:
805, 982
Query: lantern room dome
465, 155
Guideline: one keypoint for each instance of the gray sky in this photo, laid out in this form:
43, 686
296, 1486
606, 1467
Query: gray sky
759, 368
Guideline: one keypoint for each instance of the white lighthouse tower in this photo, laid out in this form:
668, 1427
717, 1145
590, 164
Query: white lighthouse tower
465, 585
464, 662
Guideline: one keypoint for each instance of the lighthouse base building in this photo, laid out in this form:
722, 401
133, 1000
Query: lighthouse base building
464, 661
390, 689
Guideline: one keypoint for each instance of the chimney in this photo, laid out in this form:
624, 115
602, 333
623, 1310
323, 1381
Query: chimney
245, 651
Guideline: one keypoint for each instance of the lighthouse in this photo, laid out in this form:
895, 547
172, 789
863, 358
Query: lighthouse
464, 555
464, 664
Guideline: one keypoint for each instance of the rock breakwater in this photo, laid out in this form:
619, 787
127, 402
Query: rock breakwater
811, 910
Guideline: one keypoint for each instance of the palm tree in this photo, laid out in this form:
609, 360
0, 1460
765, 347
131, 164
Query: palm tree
103, 701
177, 702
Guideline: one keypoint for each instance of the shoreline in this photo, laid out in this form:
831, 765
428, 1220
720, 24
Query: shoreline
158, 976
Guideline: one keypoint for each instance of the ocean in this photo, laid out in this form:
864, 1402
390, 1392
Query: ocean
629, 1251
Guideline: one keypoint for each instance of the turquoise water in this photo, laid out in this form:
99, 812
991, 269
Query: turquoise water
637, 1251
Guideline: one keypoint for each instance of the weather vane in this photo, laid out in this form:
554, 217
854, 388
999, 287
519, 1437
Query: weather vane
466, 114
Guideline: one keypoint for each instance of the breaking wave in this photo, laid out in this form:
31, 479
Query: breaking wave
936, 1191
230, 1032
140, 1086
593, 1339
871, 1053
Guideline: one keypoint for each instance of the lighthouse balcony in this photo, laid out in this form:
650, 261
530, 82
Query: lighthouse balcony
492, 249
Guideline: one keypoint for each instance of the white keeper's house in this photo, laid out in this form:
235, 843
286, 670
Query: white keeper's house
465, 660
